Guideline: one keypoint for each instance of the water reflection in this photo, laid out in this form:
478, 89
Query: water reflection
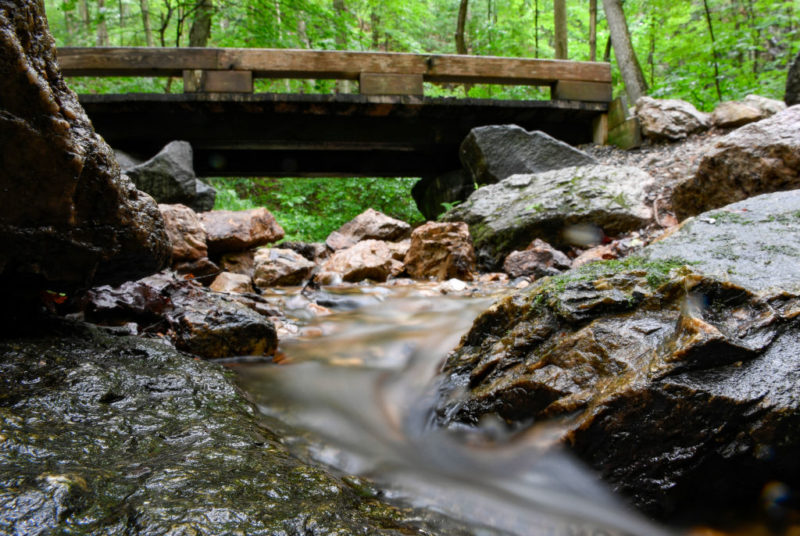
363, 389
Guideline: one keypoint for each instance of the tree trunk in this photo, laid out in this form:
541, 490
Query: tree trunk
86, 17
102, 29
375, 23
713, 50
148, 31
560, 17
461, 26
343, 86
592, 30
635, 84
201, 24
536, 28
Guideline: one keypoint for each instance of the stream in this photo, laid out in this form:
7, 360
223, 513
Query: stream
354, 391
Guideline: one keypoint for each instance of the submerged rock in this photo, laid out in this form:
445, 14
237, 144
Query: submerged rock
758, 158
67, 216
674, 374
110, 435
506, 216
669, 119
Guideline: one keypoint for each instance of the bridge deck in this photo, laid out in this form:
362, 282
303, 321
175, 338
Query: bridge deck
321, 135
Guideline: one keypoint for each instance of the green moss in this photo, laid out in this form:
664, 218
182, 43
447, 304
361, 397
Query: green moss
723, 216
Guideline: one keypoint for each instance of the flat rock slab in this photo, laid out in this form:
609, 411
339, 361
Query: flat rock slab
507, 216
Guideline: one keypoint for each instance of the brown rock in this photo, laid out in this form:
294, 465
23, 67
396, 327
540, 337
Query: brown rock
669, 119
767, 106
758, 158
240, 262
231, 283
185, 232
67, 215
368, 259
442, 251
234, 231
597, 253
540, 259
203, 270
280, 267
369, 225
735, 114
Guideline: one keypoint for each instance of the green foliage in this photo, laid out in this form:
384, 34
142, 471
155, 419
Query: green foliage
308, 209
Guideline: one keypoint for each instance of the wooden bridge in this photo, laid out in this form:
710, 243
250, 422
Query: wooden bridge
388, 129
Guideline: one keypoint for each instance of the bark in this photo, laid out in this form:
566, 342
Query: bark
560, 16
201, 25
102, 29
713, 50
635, 84
592, 30
461, 25
536, 28
148, 30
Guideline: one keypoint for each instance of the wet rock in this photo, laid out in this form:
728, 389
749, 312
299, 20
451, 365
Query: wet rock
767, 106
755, 159
368, 259
733, 114
169, 177
369, 225
434, 194
67, 216
673, 373
669, 119
235, 231
185, 232
441, 251
506, 216
313, 251
539, 259
110, 434
493, 153
792, 95
280, 267
598, 253
202, 270
239, 262
232, 283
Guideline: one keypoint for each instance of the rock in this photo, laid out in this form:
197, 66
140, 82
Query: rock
674, 374
441, 251
125, 160
369, 225
539, 259
792, 95
185, 232
202, 270
280, 267
67, 216
598, 253
239, 262
493, 153
669, 119
117, 434
368, 259
506, 216
767, 106
755, 159
313, 251
169, 177
732, 114
199, 321
434, 194
234, 231
232, 283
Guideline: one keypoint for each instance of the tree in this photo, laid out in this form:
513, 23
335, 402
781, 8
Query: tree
635, 85
461, 25
560, 17
201, 24
148, 31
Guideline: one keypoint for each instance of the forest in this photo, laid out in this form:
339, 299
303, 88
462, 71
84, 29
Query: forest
702, 51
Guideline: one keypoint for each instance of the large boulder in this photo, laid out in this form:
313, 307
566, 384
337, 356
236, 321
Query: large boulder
229, 230
758, 158
441, 251
67, 216
369, 225
669, 119
792, 95
434, 194
493, 153
507, 216
369, 259
185, 232
169, 177
674, 374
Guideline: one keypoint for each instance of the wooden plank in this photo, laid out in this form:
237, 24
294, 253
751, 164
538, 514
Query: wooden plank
617, 113
292, 63
226, 82
390, 84
582, 91
600, 129
628, 135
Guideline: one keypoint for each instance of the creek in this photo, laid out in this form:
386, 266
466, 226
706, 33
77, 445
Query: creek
355, 391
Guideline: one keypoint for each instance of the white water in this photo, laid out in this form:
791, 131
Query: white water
358, 398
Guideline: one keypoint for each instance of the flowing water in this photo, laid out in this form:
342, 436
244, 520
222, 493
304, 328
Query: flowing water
355, 392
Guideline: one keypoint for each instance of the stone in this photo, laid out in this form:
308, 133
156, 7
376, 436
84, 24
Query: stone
203, 270
313, 251
755, 159
68, 218
169, 177
732, 114
239, 262
368, 259
673, 374
441, 251
238, 230
506, 216
433, 195
792, 95
493, 153
603, 252
369, 225
539, 259
767, 106
281, 267
185, 232
669, 119
232, 283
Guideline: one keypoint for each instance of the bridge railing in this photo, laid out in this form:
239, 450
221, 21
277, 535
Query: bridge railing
216, 70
